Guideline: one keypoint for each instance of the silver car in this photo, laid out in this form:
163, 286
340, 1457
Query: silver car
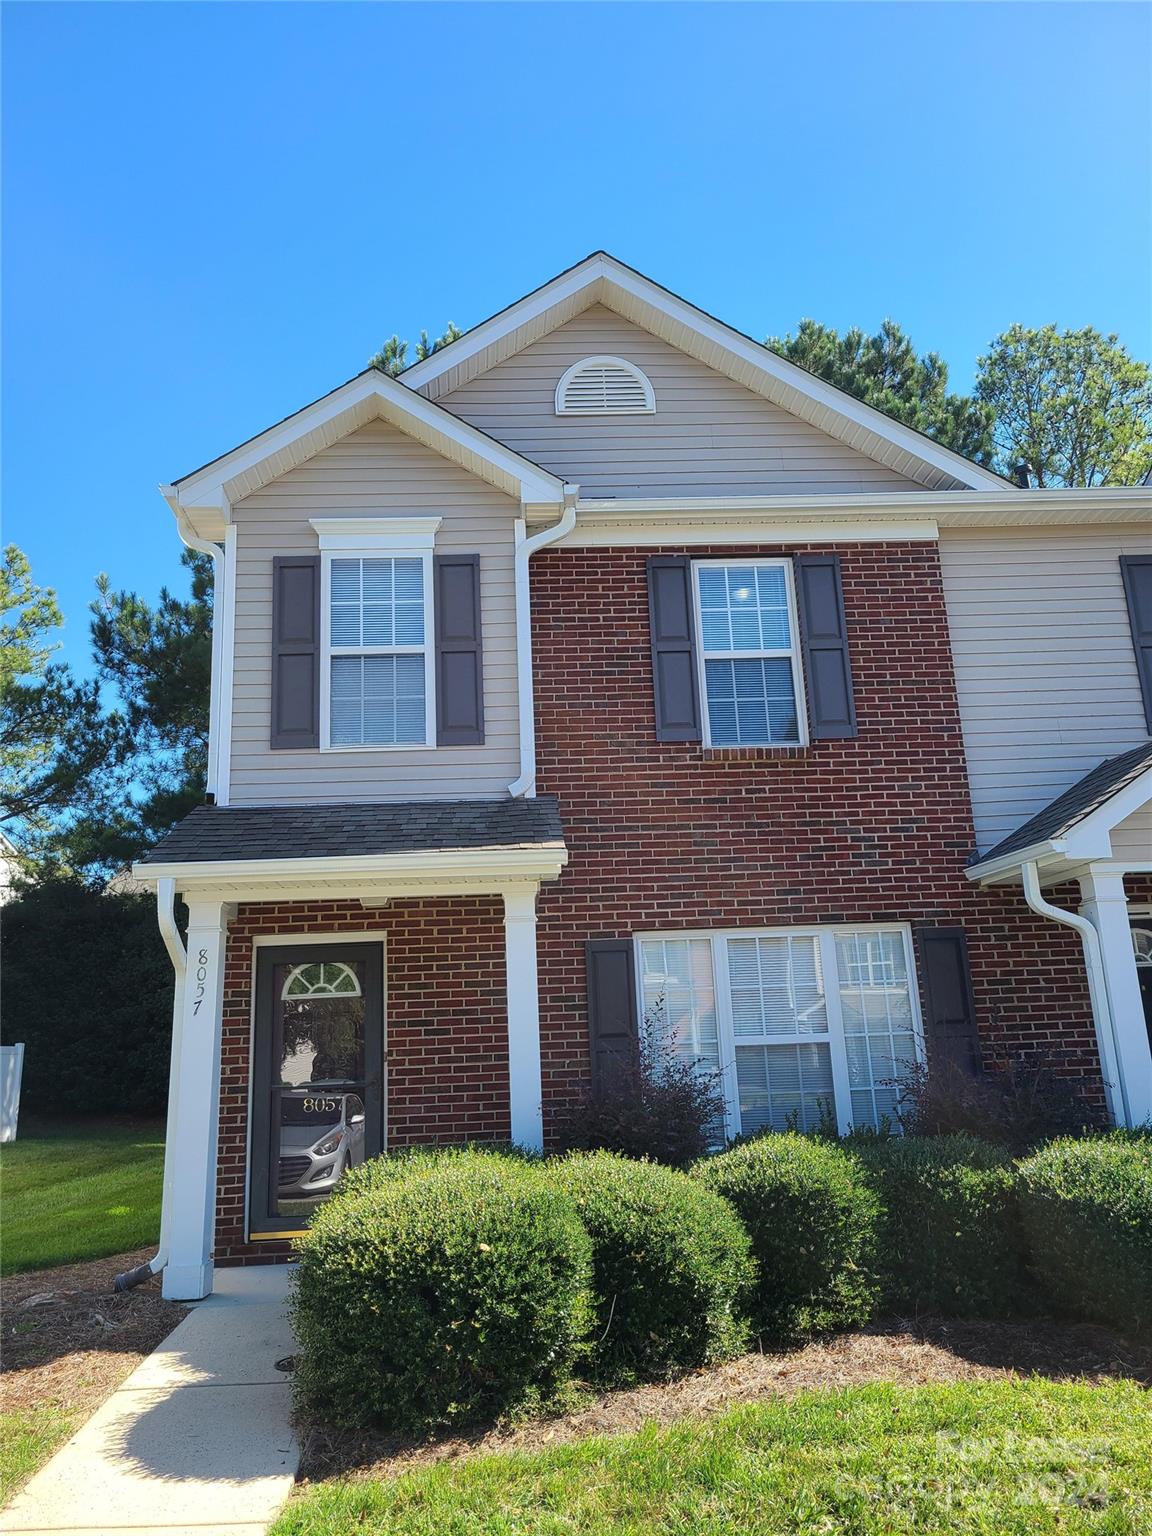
321, 1134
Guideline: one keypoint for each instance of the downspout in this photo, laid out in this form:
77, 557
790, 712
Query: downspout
1097, 986
219, 598
166, 919
525, 696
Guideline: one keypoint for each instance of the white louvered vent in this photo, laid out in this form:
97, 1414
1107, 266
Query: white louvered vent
604, 386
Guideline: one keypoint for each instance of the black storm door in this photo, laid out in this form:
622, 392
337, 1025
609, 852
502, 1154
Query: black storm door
317, 1078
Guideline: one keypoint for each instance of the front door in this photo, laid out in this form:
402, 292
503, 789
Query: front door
1142, 944
317, 1079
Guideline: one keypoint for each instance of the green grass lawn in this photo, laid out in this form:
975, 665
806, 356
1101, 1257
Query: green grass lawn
26, 1442
75, 1192
994, 1458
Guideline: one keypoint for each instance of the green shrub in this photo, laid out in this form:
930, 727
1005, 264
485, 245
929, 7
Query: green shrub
381, 1171
458, 1291
949, 1238
670, 1266
1087, 1208
811, 1215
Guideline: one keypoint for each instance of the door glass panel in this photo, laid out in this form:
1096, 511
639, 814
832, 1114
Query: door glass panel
318, 1081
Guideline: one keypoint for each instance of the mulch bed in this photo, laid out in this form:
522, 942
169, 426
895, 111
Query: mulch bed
910, 1354
68, 1340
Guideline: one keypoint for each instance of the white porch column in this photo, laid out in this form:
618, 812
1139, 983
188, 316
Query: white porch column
523, 1016
192, 1138
1105, 905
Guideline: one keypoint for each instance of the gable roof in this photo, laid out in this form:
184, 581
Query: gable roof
204, 496
601, 279
1087, 796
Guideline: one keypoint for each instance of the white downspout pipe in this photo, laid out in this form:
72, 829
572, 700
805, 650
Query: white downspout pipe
166, 919
219, 598
525, 696
1097, 988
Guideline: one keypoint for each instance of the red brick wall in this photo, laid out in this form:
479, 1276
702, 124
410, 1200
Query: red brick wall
446, 1031
669, 835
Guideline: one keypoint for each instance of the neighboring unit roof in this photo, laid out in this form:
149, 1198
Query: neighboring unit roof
216, 834
1085, 796
601, 279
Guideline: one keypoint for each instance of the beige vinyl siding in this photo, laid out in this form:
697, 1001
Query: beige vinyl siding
708, 437
1045, 667
1132, 838
376, 469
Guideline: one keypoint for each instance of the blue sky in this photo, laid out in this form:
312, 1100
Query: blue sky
215, 212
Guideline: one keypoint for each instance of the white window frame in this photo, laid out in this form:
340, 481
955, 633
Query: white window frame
376, 538
792, 653
604, 360
825, 935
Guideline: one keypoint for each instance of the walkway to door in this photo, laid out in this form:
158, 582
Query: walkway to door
197, 1442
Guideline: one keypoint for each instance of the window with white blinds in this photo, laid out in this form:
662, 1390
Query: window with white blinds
378, 622
803, 1026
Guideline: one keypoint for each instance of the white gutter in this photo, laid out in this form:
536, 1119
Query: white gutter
219, 602
525, 694
166, 919
1097, 987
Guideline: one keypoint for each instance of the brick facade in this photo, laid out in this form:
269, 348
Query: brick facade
445, 1032
671, 835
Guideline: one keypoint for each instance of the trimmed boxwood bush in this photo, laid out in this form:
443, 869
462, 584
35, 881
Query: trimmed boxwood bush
811, 1215
400, 1162
454, 1292
1087, 1208
949, 1238
670, 1266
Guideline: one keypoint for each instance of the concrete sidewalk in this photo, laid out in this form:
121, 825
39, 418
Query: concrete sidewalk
198, 1440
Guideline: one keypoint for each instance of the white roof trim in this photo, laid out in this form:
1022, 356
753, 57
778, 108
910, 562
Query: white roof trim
1091, 832
538, 861
205, 496
1084, 841
602, 279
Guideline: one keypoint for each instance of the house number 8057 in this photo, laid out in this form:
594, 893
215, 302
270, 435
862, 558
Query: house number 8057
200, 978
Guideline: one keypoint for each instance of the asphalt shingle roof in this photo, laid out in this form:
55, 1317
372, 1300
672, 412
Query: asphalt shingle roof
1084, 797
212, 833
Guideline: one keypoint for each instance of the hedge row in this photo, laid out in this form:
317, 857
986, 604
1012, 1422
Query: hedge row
442, 1286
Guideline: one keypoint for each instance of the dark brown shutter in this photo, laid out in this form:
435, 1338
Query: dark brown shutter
950, 1013
824, 639
673, 648
612, 1026
459, 671
295, 651
1137, 573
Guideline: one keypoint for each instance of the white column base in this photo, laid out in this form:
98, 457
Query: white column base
1105, 905
187, 1282
524, 1084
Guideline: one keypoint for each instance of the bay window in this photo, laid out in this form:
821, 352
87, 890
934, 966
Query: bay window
802, 1026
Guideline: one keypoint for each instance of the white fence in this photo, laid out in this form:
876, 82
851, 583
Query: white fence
11, 1069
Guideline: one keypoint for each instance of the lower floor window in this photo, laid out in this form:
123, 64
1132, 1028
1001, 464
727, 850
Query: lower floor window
803, 1026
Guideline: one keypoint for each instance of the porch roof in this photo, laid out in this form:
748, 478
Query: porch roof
213, 834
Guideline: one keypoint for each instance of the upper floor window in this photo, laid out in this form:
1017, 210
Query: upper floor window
377, 674
378, 651
604, 386
749, 656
